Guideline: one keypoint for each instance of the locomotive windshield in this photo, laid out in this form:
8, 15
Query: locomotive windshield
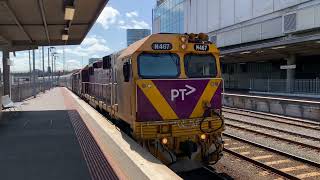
198, 66
158, 65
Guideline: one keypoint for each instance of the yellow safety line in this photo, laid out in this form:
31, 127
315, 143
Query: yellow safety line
207, 95
156, 99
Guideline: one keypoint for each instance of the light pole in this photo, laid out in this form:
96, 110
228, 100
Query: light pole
34, 74
54, 67
43, 80
51, 49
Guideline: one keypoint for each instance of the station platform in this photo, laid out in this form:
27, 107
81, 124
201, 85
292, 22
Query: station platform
59, 136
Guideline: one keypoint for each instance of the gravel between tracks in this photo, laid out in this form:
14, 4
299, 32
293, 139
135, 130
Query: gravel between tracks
277, 144
276, 133
242, 170
287, 127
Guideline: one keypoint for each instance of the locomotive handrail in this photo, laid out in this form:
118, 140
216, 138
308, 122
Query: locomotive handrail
96, 83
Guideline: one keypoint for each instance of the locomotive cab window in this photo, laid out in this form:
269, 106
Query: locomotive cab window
200, 65
158, 65
126, 71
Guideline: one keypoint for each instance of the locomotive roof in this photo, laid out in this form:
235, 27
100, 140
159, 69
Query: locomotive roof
146, 42
133, 47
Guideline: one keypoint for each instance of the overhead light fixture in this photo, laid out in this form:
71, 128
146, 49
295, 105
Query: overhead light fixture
246, 52
279, 47
69, 13
65, 37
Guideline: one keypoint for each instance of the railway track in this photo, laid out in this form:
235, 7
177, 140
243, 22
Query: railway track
274, 118
275, 161
203, 174
275, 135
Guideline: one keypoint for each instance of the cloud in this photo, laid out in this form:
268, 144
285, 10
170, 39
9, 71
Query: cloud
73, 64
121, 22
132, 14
135, 24
91, 45
108, 17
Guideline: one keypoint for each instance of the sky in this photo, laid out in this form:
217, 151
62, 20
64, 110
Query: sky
108, 35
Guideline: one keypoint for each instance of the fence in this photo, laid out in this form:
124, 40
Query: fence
20, 92
297, 86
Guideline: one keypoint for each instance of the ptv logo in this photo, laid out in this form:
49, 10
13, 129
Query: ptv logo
175, 93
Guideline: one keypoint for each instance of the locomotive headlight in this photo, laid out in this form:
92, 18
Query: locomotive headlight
203, 137
183, 39
184, 46
164, 141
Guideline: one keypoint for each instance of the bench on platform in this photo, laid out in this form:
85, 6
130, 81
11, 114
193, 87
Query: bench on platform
8, 104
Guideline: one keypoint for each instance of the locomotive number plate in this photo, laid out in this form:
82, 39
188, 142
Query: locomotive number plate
162, 46
201, 47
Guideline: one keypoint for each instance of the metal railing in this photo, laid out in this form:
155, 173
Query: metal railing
297, 86
22, 91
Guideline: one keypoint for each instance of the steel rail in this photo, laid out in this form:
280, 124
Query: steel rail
275, 129
255, 162
275, 137
275, 170
259, 114
313, 163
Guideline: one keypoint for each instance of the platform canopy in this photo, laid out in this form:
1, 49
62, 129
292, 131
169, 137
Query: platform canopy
27, 24
302, 44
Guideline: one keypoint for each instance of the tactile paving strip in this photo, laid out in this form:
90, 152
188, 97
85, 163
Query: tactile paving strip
99, 167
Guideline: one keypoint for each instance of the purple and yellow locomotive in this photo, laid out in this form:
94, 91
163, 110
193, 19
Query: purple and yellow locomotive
167, 90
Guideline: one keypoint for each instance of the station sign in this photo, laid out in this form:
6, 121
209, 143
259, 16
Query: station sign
288, 66
162, 46
201, 47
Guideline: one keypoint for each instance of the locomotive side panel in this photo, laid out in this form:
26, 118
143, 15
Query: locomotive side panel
124, 90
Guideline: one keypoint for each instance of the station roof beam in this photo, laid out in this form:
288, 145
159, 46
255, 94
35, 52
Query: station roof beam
29, 24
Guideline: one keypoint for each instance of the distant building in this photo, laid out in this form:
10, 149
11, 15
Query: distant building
134, 35
168, 16
160, 2
261, 43
93, 60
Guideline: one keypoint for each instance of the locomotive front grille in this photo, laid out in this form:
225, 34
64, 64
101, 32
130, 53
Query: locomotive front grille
177, 128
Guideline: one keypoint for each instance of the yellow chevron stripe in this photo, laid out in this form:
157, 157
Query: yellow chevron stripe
156, 99
206, 96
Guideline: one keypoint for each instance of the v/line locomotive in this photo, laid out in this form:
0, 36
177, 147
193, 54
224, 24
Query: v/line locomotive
166, 89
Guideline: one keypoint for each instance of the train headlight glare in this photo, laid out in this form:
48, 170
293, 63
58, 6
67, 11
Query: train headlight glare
203, 136
164, 141
183, 39
184, 46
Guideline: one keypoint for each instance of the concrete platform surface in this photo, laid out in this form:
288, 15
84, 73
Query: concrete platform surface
59, 136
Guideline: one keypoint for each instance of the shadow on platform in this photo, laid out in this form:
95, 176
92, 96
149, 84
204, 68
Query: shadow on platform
40, 145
